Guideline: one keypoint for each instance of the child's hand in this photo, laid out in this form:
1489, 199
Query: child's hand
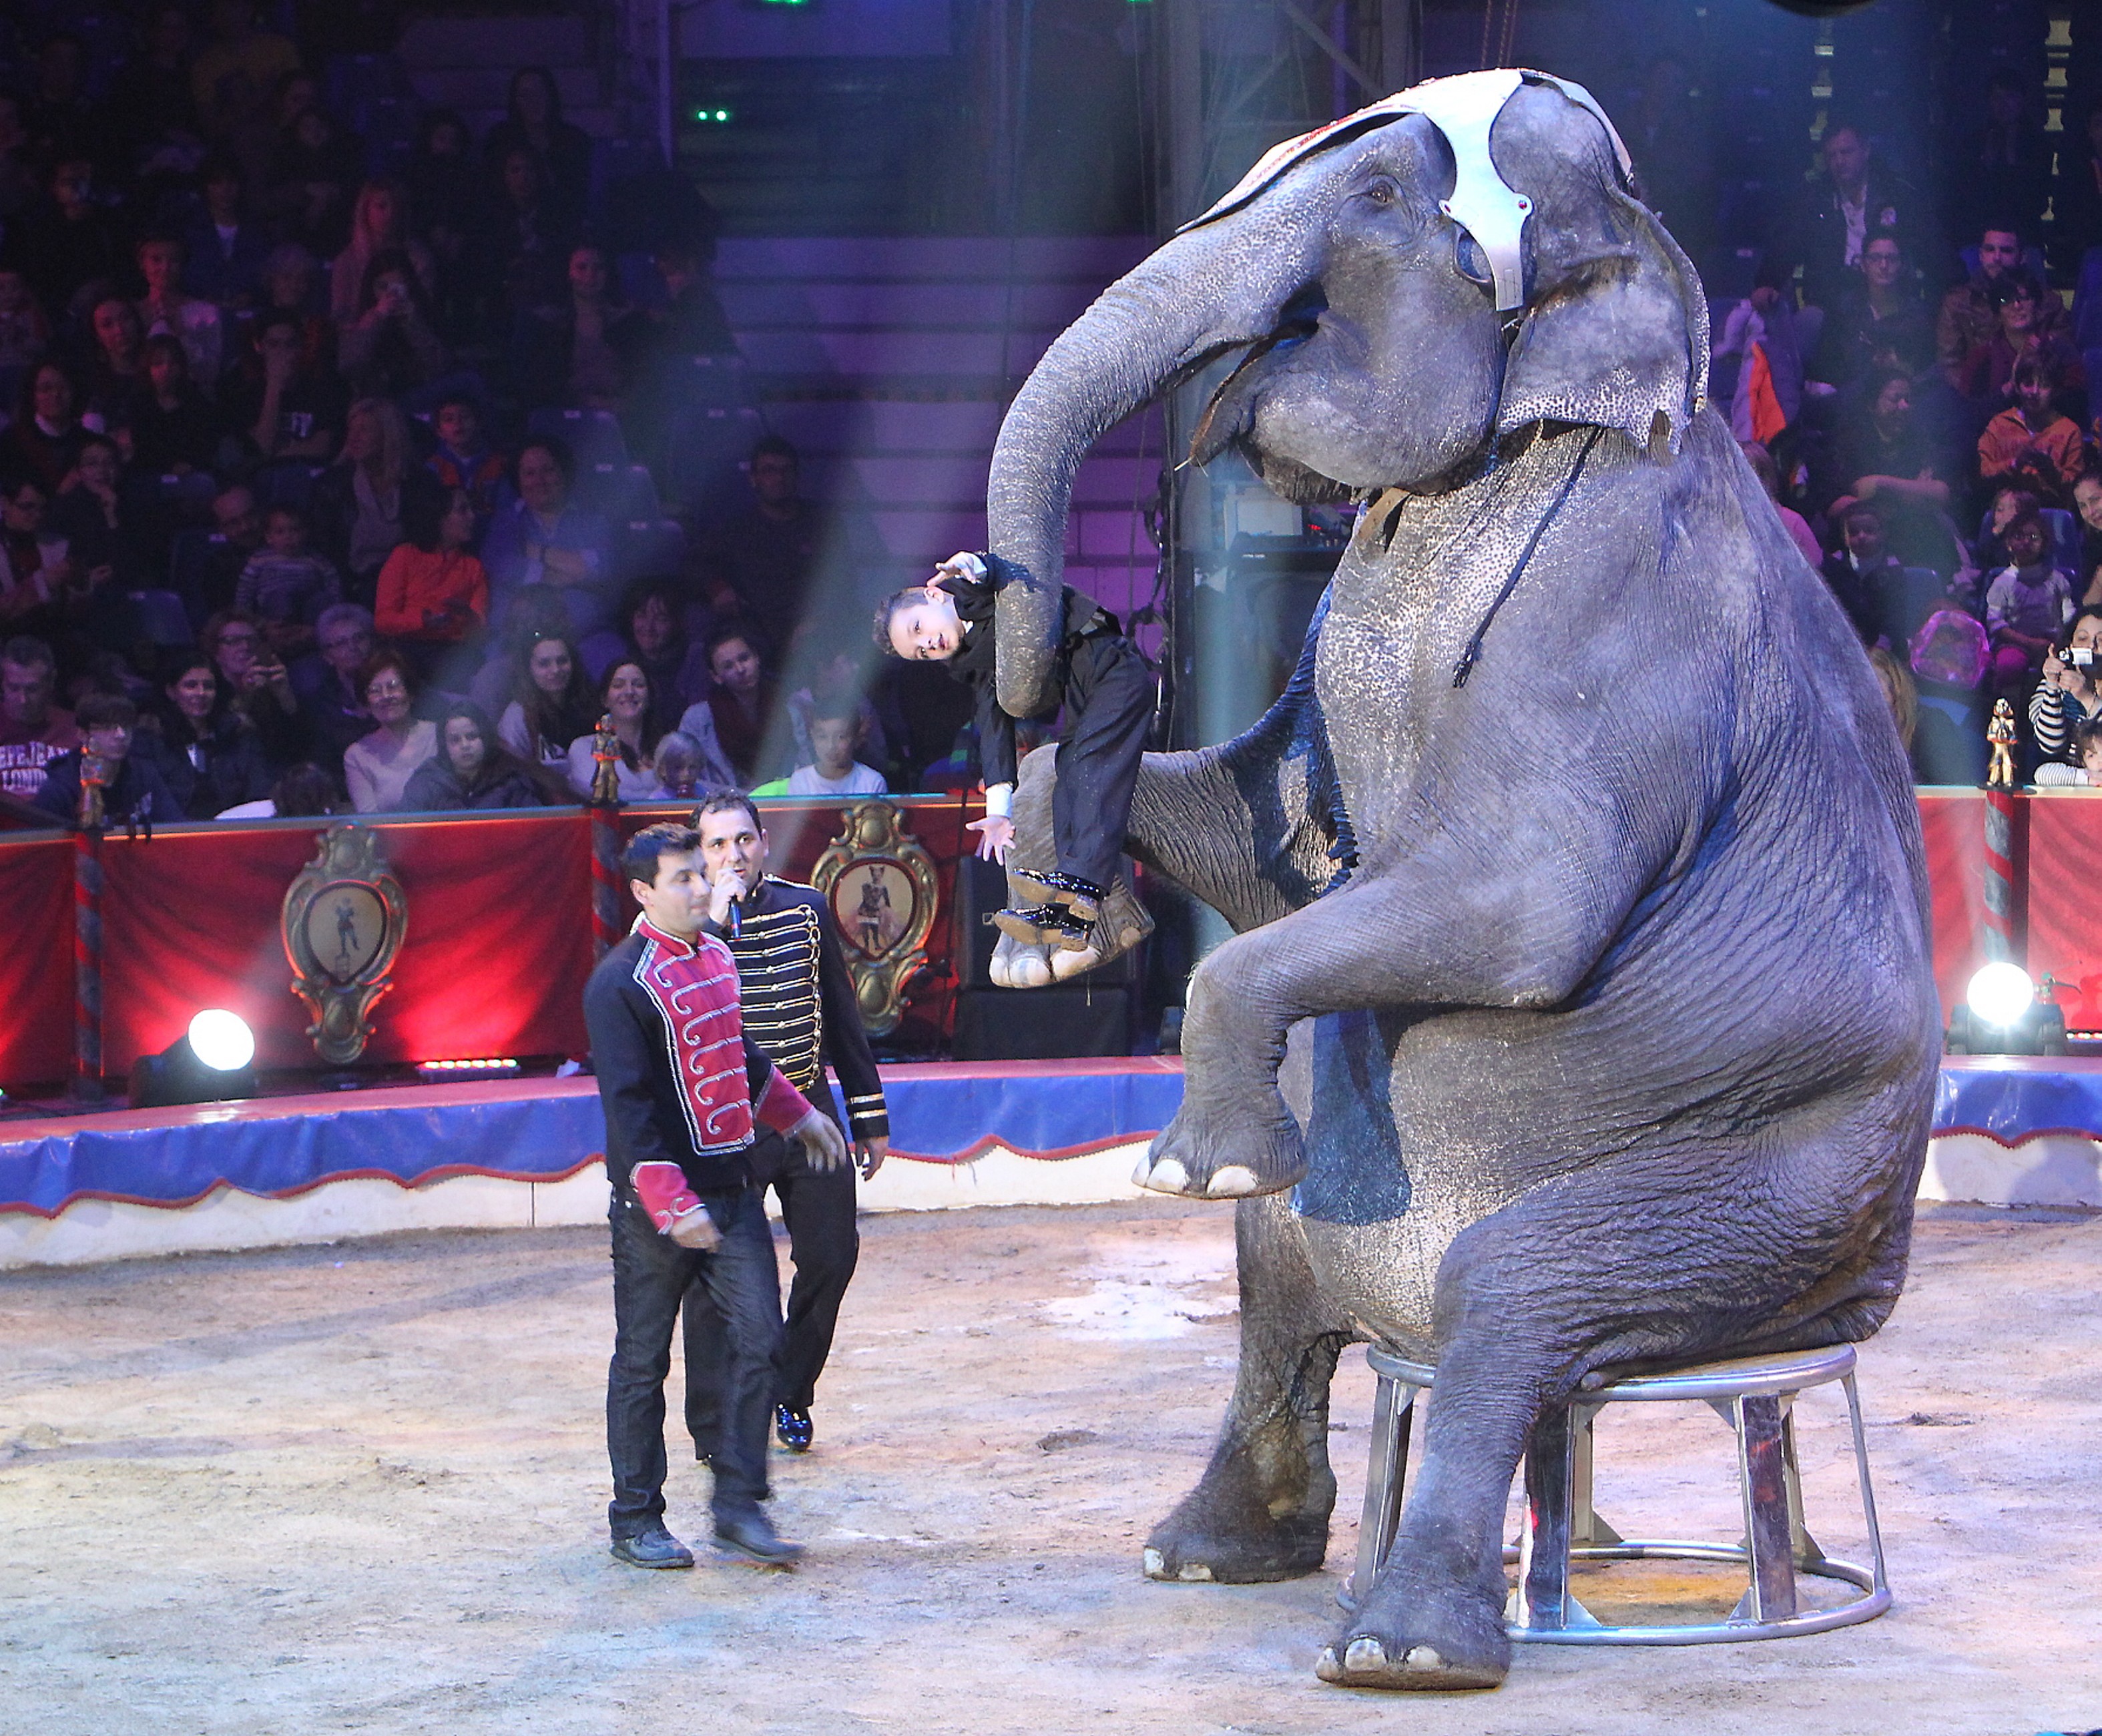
995, 837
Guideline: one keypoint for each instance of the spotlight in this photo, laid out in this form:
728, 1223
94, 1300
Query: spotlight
210, 1062
2003, 1014
495, 1067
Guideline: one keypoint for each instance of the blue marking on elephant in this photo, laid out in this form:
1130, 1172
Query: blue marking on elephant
1354, 1172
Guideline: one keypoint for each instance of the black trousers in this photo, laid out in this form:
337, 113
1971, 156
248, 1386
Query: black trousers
651, 1274
817, 1209
1110, 698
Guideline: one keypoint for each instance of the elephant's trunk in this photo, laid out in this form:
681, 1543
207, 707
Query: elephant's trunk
1214, 289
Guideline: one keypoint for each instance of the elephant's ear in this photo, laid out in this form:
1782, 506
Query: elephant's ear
1616, 330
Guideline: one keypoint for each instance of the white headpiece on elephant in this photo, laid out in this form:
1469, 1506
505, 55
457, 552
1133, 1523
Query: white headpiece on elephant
1656, 387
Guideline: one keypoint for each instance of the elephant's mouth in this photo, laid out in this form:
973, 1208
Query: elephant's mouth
1226, 418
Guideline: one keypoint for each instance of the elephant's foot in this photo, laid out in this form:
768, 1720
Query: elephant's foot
1067, 963
1262, 1156
1433, 1640
1016, 964
1226, 1532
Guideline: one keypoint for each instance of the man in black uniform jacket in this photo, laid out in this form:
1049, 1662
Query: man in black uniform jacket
800, 1006
683, 1093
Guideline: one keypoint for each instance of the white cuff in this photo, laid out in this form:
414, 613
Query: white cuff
1000, 801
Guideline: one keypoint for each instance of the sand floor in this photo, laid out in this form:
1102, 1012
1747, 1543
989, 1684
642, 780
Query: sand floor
361, 1487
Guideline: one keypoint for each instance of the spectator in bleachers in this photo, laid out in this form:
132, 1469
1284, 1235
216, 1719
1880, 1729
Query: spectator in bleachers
765, 562
519, 243
2028, 603
286, 404
2032, 442
391, 349
285, 585
2009, 502
1768, 472
1950, 654
686, 767
578, 352
1969, 316
90, 513
152, 100
1759, 335
1877, 321
444, 190
205, 751
133, 788
2029, 324
33, 732
175, 429
560, 153
1865, 576
2068, 699
356, 502
242, 63
463, 458
116, 367
2086, 752
656, 640
624, 697
472, 768
223, 249
551, 703
738, 713
1854, 198
2088, 502
301, 791
315, 168
542, 538
377, 768
45, 435
325, 682
1881, 454
694, 322
72, 241
60, 120
379, 225
35, 577
238, 533
834, 742
2004, 167
433, 593
292, 278
259, 684
165, 311
25, 334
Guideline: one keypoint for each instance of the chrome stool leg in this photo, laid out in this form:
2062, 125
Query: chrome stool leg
1394, 1408
1552, 1504
1764, 1474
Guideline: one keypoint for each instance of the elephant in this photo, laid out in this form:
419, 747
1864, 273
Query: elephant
1611, 1043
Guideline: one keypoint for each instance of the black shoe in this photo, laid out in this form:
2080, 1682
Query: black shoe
657, 1548
1082, 897
792, 1428
752, 1539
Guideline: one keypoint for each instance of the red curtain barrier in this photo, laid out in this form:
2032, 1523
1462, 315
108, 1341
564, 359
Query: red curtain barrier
498, 947
499, 927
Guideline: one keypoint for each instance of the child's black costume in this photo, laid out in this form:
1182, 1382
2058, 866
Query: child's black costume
1109, 693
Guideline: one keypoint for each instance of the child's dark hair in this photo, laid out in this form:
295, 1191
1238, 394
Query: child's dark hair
836, 704
2086, 736
638, 862
887, 610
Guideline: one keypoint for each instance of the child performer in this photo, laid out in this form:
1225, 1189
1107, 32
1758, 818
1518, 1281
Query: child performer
1109, 695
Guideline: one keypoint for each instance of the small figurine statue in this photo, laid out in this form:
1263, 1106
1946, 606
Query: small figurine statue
2000, 733
94, 779
606, 752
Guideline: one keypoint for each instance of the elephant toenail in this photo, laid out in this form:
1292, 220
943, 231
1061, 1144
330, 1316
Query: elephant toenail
1421, 1658
1365, 1654
1166, 1176
1235, 1181
1155, 1564
1194, 1573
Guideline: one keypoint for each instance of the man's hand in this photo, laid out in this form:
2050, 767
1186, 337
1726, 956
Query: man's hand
870, 1153
727, 888
661, 1191
820, 1141
995, 837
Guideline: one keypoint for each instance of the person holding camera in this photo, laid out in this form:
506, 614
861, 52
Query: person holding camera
2069, 698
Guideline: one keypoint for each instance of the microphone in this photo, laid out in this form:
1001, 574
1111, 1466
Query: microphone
736, 918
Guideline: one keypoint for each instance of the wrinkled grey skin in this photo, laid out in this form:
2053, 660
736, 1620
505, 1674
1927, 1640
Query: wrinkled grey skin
1619, 1046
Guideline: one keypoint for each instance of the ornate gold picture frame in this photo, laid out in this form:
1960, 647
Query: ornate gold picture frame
880, 884
344, 919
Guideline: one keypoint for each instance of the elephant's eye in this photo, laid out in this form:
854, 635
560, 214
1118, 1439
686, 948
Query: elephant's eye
1381, 191
1473, 264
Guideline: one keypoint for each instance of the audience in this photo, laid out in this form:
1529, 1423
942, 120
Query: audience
736, 716
377, 766
286, 586
835, 739
541, 538
472, 768
33, 732
552, 703
133, 789
433, 592
624, 697
205, 752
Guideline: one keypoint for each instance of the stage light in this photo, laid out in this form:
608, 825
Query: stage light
2000, 993
210, 1062
712, 114
494, 1067
2004, 1014
223, 1040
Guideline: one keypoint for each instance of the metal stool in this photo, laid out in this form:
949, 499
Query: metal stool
1755, 1395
